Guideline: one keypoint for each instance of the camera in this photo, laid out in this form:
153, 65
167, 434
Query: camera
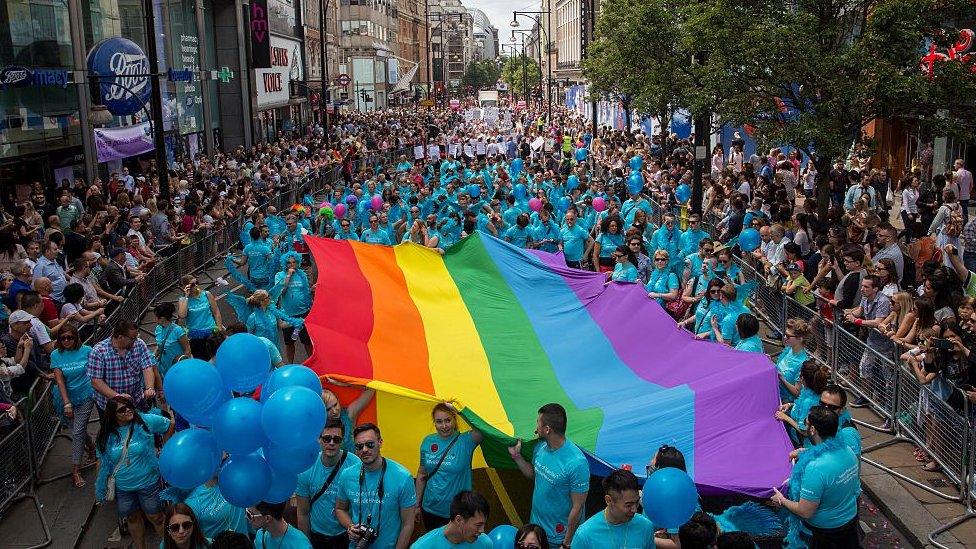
367, 534
942, 344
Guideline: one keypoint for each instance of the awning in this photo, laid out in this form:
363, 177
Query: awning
403, 84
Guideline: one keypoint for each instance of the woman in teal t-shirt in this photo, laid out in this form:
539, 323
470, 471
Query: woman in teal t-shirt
182, 529
127, 451
74, 398
172, 344
445, 466
663, 285
611, 236
201, 316
790, 361
625, 270
813, 379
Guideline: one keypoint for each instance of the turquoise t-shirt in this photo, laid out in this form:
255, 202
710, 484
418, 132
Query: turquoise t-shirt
435, 539
609, 242
730, 333
558, 473
832, 479
378, 236
751, 344
624, 273
199, 317
292, 539
550, 234
574, 241
788, 365
321, 516
272, 350
296, 298
801, 406
630, 208
661, 282
597, 533
214, 513
171, 346
346, 235
518, 236
454, 474
141, 466
398, 494
259, 260
72, 365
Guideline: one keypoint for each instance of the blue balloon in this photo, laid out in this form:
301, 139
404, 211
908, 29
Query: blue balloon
580, 154
636, 163
293, 416
520, 191
282, 487
290, 375
635, 183
189, 458
683, 193
243, 361
572, 181
565, 203
237, 426
670, 497
474, 190
244, 480
749, 239
517, 165
195, 389
287, 460
503, 536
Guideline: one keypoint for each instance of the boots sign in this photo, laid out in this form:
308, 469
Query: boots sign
273, 84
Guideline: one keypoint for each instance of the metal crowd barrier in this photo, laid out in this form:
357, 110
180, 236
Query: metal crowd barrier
24, 448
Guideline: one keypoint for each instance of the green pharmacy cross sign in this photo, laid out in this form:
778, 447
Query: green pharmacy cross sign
224, 75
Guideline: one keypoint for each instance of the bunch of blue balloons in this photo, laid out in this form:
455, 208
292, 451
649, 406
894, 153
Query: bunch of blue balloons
635, 183
581, 154
683, 193
269, 441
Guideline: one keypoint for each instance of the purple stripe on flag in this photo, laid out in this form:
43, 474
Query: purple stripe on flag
732, 388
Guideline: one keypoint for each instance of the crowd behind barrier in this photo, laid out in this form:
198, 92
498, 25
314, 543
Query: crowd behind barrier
24, 447
910, 412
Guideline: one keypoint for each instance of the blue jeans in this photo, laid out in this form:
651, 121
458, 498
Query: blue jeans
144, 499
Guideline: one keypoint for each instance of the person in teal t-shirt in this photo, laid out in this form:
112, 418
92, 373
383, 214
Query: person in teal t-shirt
561, 473
214, 513
618, 525
792, 357
74, 397
574, 239
469, 513
663, 284
626, 268
272, 530
747, 326
445, 466
172, 343
824, 486
182, 529
374, 234
726, 331
316, 501
379, 494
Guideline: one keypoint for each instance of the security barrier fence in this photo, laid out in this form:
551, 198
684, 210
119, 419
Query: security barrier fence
25, 446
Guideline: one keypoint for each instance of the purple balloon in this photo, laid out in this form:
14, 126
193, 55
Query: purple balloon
340, 210
351, 199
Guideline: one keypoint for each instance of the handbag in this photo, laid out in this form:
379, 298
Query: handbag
110, 483
679, 307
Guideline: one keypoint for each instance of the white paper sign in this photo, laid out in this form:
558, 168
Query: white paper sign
537, 144
454, 149
469, 151
418, 152
481, 147
433, 151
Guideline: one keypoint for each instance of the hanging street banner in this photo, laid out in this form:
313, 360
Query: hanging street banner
260, 34
118, 143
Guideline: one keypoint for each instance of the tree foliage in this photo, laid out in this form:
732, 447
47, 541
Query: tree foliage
512, 73
481, 74
806, 73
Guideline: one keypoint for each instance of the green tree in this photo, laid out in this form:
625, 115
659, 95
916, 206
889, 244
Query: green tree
805, 73
481, 74
512, 73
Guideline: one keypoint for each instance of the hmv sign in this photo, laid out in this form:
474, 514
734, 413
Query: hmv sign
260, 35
122, 71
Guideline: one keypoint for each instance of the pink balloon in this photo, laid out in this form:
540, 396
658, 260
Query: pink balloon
599, 204
340, 210
535, 204
376, 203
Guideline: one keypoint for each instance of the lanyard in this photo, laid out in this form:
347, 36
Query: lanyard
379, 492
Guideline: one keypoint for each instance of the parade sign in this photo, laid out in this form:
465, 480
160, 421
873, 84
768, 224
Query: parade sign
118, 143
122, 71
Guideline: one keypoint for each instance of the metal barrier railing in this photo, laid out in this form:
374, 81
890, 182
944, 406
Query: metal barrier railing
24, 448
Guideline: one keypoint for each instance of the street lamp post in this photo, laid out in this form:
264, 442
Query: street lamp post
523, 33
325, 98
534, 15
159, 134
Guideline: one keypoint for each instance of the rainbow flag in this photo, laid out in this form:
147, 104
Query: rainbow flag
500, 331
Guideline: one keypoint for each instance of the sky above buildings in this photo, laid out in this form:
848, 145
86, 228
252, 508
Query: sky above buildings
500, 13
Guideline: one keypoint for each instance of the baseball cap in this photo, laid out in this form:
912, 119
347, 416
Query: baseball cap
795, 267
20, 315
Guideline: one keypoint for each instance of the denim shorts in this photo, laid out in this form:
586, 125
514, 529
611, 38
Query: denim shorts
145, 499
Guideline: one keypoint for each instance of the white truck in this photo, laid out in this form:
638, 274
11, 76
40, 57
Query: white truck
487, 98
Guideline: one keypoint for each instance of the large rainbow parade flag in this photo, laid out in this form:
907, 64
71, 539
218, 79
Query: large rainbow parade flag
500, 331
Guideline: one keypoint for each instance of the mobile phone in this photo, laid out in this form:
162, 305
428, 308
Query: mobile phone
941, 344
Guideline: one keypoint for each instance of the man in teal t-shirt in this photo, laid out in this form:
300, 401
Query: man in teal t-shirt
374, 234
829, 484
272, 530
377, 495
561, 473
574, 240
618, 526
318, 483
469, 513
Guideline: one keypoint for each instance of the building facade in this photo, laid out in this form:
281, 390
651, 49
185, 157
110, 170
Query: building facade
452, 42
412, 50
369, 31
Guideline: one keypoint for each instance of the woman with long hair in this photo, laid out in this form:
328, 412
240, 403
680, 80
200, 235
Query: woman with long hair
663, 285
445, 466
792, 358
531, 536
611, 235
129, 467
261, 317
182, 530
200, 314
626, 268
172, 343
885, 269
813, 380
74, 397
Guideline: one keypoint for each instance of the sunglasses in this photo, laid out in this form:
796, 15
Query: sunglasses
66, 338
331, 439
251, 515
371, 444
177, 526
715, 291
123, 409
829, 406
660, 259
